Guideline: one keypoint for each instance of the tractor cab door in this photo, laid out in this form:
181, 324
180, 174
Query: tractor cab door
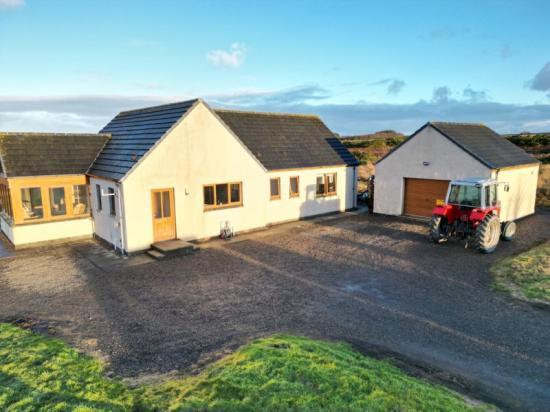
490, 196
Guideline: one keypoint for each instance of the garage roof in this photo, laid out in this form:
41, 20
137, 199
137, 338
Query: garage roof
484, 144
287, 141
43, 154
481, 142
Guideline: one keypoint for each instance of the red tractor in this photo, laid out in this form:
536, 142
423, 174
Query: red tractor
471, 212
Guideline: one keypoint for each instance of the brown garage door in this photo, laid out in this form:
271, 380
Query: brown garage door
421, 194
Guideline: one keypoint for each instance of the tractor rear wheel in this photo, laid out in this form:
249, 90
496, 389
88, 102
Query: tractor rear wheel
436, 230
488, 234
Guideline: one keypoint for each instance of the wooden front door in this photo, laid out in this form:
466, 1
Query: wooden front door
164, 220
421, 194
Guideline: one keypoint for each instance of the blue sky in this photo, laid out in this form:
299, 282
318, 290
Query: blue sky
363, 66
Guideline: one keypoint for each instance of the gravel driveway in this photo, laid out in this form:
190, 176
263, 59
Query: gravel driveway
375, 282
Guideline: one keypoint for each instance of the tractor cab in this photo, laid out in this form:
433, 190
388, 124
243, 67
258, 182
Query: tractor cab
471, 211
473, 193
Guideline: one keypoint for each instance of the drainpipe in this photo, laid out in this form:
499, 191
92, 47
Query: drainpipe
355, 187
121, 219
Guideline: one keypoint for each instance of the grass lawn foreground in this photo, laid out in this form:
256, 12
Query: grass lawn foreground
276, 373
527, 275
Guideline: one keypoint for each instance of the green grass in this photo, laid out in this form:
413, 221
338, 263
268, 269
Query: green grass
40, 372
276, 373
526, 275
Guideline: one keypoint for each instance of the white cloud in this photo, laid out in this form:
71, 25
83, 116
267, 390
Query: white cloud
475, 95
11, 4
232, 59
69, 113
293, 95
363, 117
91, 113
394, 86
43, 121
441, 94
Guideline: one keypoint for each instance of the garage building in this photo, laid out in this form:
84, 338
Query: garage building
416, 173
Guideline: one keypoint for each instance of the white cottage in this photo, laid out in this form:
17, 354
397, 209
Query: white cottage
180, 171
416, 173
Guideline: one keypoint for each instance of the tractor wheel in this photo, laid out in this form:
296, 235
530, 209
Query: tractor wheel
508, 230
436, 230
488, 234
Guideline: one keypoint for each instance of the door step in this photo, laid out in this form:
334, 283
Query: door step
173, 248
155, 254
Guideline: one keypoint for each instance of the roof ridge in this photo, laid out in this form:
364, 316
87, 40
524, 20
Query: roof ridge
458, 123
266, 113
159, 106
37, 134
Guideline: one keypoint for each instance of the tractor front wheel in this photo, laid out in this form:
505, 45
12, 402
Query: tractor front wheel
436, 230
488, 234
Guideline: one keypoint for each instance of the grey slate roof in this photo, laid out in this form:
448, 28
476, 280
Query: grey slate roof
133, 133
41, 154
287, 141
484, 144
481, 142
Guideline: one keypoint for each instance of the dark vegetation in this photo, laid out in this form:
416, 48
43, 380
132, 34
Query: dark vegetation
538, 144
369, 148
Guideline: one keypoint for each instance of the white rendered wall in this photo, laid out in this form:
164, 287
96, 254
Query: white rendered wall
201, 150
307, 203
447, 161
519, 201
107, 227
42, 232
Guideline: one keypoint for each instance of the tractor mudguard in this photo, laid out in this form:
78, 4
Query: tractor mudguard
442, 210
478, 215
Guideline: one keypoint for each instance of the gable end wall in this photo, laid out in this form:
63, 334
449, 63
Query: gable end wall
446, 160
198, 151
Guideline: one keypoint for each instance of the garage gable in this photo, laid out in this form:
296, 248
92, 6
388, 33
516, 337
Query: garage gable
479, 141
428, 156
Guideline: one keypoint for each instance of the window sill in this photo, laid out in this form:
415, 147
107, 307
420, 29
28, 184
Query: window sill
213, 208
296, 196
41, 221
327, 195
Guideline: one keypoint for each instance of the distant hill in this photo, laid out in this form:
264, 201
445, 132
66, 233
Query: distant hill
383, 134
368, 148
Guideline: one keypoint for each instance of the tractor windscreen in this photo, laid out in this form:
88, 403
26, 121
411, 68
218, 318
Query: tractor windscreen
465, 195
